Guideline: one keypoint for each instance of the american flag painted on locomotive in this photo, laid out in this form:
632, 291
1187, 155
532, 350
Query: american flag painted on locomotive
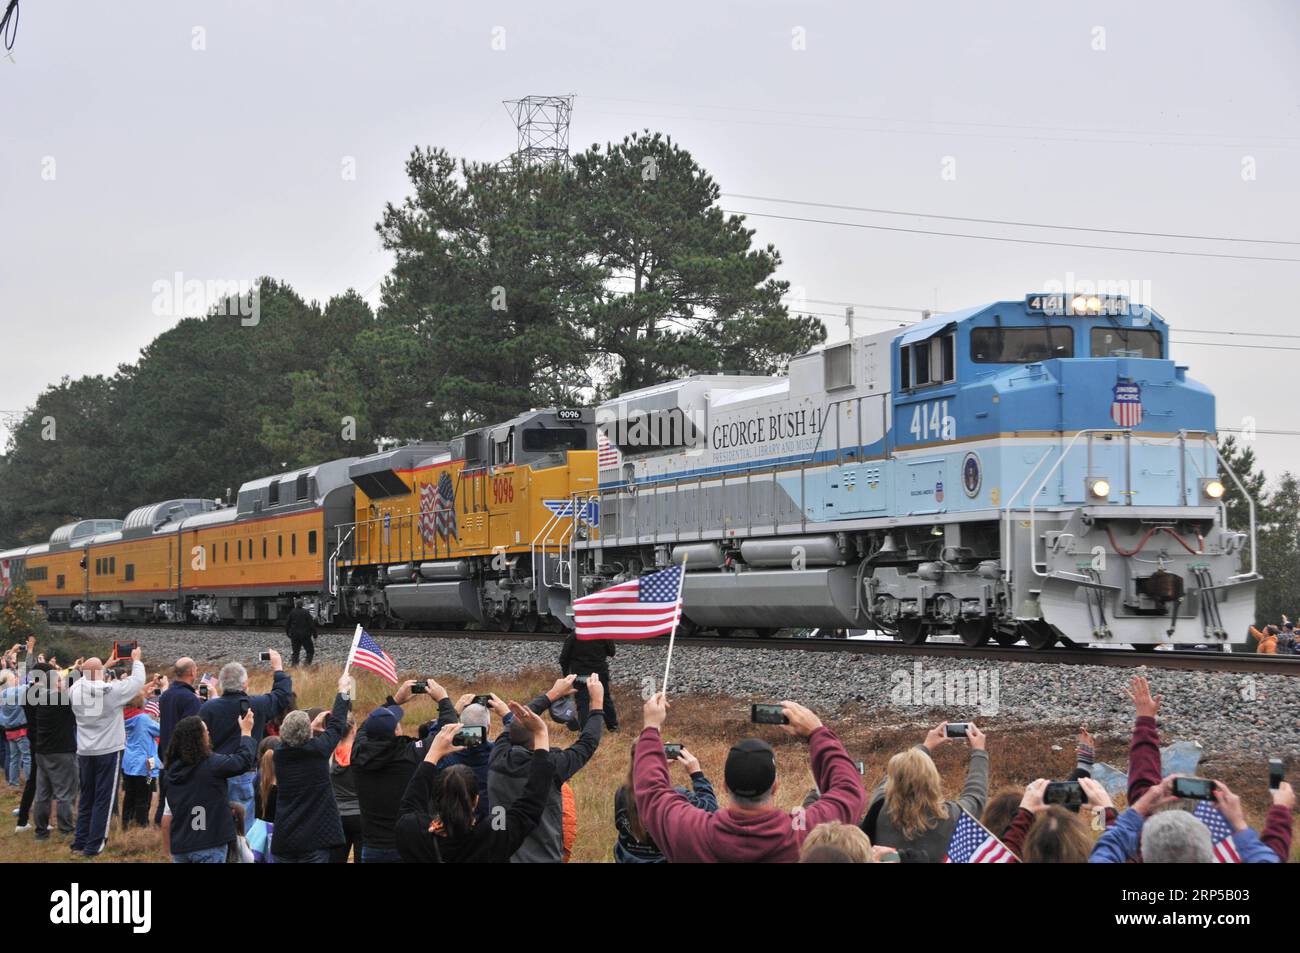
972, 843
607, 454
1225, 852
1126, 405
438, 509
641, 609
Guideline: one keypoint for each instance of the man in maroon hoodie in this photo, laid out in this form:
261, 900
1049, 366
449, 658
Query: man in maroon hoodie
751, 829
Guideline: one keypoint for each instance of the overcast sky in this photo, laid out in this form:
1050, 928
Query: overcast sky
139, 140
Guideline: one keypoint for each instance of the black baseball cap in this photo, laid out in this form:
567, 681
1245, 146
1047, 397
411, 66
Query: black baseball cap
751, 768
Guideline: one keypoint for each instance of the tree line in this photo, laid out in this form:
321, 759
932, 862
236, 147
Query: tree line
513, 286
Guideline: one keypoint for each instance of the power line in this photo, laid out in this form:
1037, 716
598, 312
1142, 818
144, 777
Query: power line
1013, 241
1001, 221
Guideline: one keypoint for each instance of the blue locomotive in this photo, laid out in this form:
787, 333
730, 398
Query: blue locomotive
1033, 469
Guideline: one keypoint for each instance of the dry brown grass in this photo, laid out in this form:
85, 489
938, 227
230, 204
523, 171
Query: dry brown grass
708, 726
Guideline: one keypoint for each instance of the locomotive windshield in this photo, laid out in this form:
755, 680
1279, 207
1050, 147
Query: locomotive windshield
547, 441
1020, 345
1125, 342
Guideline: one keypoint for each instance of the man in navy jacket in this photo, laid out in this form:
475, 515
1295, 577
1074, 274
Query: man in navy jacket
180, 700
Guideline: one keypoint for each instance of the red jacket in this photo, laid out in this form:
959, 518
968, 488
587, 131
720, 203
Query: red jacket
1144, 771
688, 834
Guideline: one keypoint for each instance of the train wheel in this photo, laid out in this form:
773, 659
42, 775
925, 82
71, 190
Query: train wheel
975, 632
766, 633
1006, 637
1144, 646
912, 631
686, 628
505, 623
725, 633
1038, 634
530, 623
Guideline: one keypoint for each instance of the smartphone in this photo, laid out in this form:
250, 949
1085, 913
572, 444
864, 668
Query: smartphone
203, 691
1276, 773
1201, 789
124, 649
420, 688
768, 715
955, 729
244, 705
265, 656
862, 767
156, 692
1068, 793
672, 751
484, 700
470, 736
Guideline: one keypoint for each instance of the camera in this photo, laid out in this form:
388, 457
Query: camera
1276, 773
1068, 793
470, 736
484, 700
265, 656
768, 715
124, 649
420, 688
672, 751
955, 729
1200, 789
862, 767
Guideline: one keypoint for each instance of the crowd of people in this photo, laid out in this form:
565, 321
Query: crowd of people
248, 778
1283, 639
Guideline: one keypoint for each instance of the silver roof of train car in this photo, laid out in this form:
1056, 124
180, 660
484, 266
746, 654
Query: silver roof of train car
254, 496
70, 534
155, 517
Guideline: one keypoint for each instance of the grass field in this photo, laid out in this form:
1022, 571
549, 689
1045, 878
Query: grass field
708, 726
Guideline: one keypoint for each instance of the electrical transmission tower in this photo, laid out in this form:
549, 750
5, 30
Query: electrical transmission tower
542, 123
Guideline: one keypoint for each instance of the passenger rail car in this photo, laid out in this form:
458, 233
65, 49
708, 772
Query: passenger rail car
1033, 469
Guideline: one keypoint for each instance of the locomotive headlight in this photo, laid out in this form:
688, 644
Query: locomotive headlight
1098, 488
1079, 304
1212, 489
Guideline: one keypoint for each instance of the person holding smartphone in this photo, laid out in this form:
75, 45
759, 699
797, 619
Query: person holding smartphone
907, 809
634, 845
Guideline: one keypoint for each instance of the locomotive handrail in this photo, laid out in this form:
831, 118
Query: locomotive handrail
1223, 507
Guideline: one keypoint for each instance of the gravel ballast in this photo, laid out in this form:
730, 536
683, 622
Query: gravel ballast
1227, 713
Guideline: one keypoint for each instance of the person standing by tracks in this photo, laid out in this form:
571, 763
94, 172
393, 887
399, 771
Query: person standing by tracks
301, 627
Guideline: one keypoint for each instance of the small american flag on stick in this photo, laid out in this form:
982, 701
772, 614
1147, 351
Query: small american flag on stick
972, 843
366, 653
640, 609
1225, 852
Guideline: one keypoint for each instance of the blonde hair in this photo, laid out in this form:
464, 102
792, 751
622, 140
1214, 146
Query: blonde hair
913, 793
847, 839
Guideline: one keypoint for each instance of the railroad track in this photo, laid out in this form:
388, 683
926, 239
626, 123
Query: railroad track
1114, 658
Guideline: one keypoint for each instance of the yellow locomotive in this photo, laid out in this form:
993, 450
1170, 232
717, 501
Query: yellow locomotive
479, 530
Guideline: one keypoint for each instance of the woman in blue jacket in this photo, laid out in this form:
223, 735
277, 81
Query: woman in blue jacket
139, 763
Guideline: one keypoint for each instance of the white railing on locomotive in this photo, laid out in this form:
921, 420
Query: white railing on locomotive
839, 439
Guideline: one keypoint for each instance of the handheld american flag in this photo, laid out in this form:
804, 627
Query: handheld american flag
640, 609
366, 653
973, 844
1225, 852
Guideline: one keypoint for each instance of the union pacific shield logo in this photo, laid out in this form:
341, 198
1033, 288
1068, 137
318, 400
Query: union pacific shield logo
1126, 406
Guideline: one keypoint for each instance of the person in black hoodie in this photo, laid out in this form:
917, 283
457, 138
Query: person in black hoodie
201, 826
307, 822
437, 824
383, 760
53, 730
584, 657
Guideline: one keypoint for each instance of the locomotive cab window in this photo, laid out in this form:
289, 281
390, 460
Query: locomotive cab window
932, 361
302, 487
1020, 345
503, 451
273, 493
548, 441
1126, 342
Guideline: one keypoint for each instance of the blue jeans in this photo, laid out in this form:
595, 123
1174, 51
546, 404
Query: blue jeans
309, 857
240, 790
19, 760
209, 855
379, 855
